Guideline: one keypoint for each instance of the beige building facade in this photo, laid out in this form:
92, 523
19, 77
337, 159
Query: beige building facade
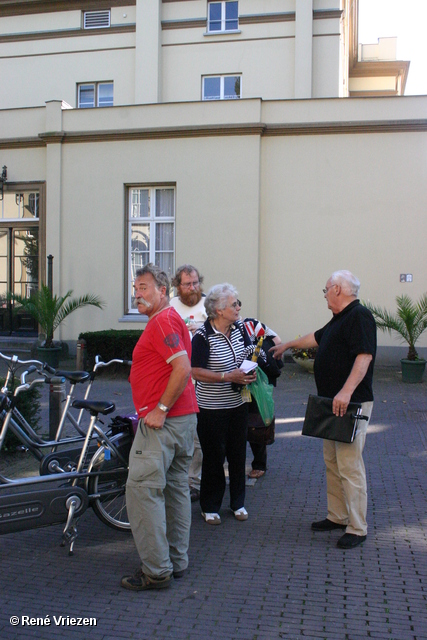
249, 138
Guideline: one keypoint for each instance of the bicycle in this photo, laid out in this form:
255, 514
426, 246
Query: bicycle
27, 504
58, 460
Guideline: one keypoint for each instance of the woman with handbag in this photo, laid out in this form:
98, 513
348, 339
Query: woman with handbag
218, 349
271, 367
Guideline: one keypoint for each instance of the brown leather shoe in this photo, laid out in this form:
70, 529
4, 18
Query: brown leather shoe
140, 582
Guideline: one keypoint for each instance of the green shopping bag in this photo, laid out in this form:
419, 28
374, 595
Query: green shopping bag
262, 391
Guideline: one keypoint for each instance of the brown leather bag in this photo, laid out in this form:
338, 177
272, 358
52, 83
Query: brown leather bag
258, 433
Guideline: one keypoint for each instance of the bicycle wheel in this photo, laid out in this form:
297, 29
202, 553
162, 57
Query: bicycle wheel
110, 505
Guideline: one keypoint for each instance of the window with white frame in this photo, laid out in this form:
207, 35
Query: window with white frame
221, 87
96, 19
151, 232
95, 94
223, 16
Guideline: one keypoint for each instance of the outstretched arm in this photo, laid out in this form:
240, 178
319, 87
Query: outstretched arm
306, 342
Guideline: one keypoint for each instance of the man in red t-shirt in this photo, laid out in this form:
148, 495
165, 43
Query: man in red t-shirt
157, 492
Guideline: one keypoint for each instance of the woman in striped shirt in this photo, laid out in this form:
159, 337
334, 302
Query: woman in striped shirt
218, 349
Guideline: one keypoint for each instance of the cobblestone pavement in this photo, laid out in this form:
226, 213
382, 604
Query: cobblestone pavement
268, 578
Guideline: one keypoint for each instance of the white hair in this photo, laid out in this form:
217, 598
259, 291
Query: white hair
348, 282
217, 298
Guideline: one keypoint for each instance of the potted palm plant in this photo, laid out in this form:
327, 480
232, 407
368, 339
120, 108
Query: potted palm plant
409, 322
49, 311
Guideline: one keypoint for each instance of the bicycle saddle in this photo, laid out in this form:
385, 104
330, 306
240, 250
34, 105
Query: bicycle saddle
95, 406
73, 376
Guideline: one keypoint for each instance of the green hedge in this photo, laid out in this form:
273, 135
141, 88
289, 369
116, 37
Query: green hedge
28, 404
110, 344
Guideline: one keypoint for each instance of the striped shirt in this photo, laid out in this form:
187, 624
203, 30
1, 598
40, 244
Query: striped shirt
214, 351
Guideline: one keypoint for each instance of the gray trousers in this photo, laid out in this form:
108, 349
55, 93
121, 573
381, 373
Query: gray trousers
346, 479
158, 496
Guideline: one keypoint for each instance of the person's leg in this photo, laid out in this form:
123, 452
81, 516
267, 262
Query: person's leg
260, 456
195, 472
353, 477
148, 461
211, 428
337, 503
177, 494
236, 455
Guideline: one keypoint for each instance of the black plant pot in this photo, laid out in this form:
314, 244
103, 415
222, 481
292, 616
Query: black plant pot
49, 356
412, 370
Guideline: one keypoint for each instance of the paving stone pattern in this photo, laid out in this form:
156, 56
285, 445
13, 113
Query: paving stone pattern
265, 579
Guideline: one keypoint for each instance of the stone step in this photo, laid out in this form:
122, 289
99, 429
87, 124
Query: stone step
17, 345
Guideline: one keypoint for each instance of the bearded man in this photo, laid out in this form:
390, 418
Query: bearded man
189, 303
189, 299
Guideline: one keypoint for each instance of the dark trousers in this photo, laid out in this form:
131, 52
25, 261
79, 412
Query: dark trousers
260, 456
222, 434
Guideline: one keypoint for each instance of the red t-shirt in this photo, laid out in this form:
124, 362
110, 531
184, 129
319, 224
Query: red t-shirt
164, 338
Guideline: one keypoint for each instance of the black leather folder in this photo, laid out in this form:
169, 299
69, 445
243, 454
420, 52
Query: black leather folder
320, 422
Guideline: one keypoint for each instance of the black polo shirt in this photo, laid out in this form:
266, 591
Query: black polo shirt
349, 333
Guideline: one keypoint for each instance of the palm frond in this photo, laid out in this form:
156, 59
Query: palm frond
87, 300
409, 321
50, 310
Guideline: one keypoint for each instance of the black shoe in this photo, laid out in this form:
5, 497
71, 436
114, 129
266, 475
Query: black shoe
350, 540
327, 525
140, 582
179, 574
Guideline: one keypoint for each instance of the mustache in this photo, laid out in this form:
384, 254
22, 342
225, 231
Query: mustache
144, 302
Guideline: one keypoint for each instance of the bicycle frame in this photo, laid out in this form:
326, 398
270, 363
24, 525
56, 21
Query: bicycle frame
65, 459
40, 501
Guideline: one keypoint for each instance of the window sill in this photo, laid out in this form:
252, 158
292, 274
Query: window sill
221, 33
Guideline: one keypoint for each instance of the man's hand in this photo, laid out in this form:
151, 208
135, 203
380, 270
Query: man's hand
155, 419
278, 350
340, 403
192, 327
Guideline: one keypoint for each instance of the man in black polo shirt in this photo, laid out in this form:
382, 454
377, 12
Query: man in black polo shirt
343, 370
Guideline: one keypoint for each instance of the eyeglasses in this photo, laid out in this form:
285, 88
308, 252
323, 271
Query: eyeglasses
325, 291
236, 304
187, 285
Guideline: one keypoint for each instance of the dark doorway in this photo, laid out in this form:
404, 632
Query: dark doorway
19, 259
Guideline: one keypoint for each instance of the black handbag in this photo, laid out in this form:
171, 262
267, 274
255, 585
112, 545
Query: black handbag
320, 422
258, 433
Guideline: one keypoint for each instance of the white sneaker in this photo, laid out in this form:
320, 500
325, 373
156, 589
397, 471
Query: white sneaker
211, 518
241, 514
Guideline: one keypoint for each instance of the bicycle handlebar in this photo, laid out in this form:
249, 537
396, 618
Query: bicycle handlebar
49, 369
16, 360
99, 363
25, 386
46, 379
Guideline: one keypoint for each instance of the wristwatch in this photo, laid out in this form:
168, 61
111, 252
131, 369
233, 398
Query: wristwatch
163, 407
